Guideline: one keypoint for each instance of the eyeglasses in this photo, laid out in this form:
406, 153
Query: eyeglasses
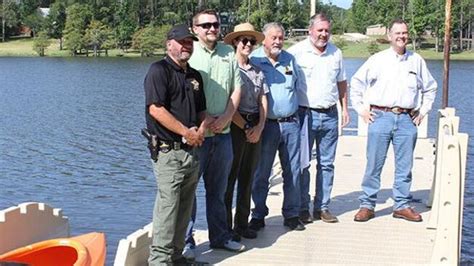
251, 41
208, 25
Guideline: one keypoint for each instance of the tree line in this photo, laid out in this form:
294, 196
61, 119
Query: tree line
422, 15
100, 25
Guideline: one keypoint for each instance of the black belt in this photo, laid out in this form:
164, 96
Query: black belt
395, 110
250, 117
320, 110
166, 146
290, 118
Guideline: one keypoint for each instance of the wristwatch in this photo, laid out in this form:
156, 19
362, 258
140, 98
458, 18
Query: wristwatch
247, 126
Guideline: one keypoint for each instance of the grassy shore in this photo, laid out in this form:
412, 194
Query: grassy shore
24, 47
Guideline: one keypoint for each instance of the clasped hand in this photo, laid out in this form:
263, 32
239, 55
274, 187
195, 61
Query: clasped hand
194, 136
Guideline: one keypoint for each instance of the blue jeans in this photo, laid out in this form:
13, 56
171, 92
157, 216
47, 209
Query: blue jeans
284, 137
400, 130
323, 131
215, 158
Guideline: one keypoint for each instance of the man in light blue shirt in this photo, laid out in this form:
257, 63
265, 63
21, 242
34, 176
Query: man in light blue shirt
281, 132
324, 84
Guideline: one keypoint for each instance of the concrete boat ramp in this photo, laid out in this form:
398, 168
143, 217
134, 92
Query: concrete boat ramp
383, 240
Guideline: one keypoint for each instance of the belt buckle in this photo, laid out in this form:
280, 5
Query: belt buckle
165, 147
396, 110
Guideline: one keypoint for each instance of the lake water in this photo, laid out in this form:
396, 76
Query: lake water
70, 137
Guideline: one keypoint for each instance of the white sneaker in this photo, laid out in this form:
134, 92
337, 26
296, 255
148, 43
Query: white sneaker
189, 252
234, 246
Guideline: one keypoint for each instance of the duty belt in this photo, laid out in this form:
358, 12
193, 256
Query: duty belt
166, 146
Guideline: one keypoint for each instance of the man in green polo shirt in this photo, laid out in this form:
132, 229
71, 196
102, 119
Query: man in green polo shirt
219, 69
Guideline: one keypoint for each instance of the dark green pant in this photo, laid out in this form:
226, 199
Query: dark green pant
176, 174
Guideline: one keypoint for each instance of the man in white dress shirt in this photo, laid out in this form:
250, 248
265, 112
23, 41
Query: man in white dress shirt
324, 84
399, 92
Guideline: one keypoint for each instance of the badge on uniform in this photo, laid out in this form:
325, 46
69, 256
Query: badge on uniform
195, 84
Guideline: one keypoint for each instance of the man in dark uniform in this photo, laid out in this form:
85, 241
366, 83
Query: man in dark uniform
175, 105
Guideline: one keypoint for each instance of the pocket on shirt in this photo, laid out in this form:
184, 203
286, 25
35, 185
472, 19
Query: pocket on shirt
257, 88
412, 82
225, 74
290, 82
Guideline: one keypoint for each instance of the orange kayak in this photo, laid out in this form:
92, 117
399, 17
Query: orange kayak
84, 250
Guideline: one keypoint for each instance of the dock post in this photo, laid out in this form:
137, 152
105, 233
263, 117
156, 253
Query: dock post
447, 122
448, 235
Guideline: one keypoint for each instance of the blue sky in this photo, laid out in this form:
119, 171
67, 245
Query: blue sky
340, 3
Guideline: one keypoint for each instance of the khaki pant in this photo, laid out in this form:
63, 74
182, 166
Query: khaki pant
176, 174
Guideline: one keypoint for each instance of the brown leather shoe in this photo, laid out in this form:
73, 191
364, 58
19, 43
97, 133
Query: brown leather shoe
326, 216
408, 214
364, 214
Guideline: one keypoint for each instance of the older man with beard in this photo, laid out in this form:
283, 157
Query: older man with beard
282, 129
175, 105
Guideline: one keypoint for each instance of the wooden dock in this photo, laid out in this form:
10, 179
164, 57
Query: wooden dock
383, 240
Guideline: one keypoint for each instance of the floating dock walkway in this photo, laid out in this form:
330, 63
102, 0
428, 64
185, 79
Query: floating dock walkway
383, 240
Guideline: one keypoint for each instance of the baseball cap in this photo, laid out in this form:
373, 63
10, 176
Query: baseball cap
180, 32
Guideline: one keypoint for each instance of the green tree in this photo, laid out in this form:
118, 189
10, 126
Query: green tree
56, 21
291, 14
126, 24
10, 18
150, 38
362, 15
97, 33
78, 17
418, 19
35, 22
41, 42
435, 21
257, 12
27, 7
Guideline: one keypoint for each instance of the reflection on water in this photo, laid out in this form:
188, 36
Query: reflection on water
70, 137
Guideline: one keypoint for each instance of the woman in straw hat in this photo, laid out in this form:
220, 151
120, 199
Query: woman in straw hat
246, 129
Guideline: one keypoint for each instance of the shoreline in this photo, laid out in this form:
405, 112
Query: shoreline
24, 48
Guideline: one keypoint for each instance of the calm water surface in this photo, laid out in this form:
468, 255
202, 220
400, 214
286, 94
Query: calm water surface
70, 137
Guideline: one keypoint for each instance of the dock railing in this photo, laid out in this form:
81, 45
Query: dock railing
447, 192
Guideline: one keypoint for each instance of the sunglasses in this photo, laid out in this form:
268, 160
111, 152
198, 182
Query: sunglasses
208, 25
251, 41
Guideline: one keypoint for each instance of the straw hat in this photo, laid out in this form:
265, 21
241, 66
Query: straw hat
244, 29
